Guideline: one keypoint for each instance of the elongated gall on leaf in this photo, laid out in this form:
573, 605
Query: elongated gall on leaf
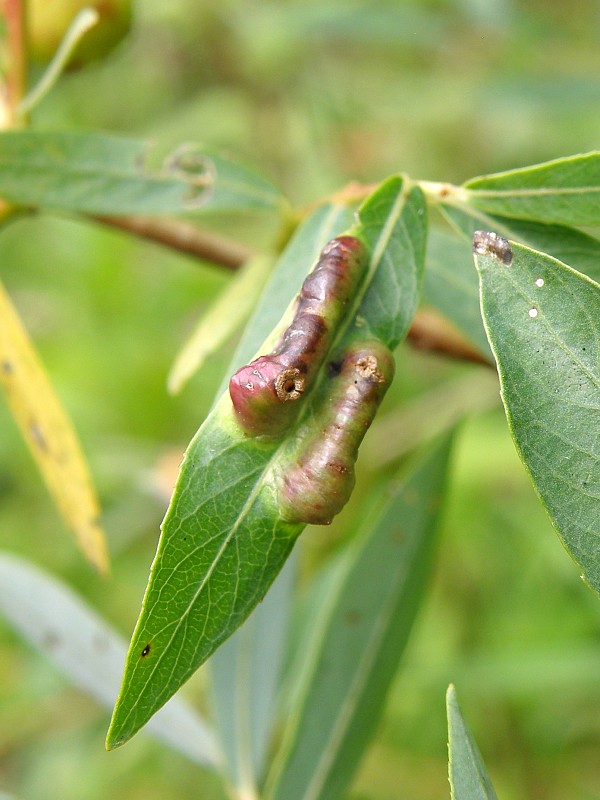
320, 481
262, 390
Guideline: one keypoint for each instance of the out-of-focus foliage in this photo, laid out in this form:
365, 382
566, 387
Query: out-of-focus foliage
312, 95
48, 21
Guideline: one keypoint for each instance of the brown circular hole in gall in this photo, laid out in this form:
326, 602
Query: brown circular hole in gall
289, 385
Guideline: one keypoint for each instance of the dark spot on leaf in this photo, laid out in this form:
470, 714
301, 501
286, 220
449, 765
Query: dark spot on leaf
334, 368
145, 651
353, 617
51, 640
7, 367
37, 436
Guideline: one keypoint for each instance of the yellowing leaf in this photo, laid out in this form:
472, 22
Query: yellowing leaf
49, 434
225, 315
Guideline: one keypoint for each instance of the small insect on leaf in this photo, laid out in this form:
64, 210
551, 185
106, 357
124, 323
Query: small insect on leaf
263, 392
489, 243
321, 479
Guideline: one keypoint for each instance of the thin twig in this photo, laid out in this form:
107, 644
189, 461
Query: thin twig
185, 238
431, 331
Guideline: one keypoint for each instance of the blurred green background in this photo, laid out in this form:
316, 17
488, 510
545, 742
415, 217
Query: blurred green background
313, 95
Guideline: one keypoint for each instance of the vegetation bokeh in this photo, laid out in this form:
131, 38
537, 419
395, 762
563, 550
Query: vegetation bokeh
313, 95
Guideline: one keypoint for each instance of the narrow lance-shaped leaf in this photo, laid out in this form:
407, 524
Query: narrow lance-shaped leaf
245, 670
565, 191
101, 174
49, 434
394, 226
137, 704
466, 770
245, 676
543, 323
348, 666
63, 627
223, 539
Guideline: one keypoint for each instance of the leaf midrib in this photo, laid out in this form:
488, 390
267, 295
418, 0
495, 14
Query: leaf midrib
532, 192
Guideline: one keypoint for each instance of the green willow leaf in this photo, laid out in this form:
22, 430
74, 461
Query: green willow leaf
223, 541
397, 255
571, 246
565, 191
450, 285
245, 677
543, 323
360, 634
70, 634
466, 770
100, 174
245, 670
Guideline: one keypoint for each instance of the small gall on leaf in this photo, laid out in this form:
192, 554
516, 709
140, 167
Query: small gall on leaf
262, 390
488, 243
318, 482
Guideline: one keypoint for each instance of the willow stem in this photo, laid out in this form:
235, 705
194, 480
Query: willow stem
185, 238
432, 332
429, 331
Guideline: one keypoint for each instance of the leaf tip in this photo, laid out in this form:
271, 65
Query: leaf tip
113, 737
451, 700
120, 729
